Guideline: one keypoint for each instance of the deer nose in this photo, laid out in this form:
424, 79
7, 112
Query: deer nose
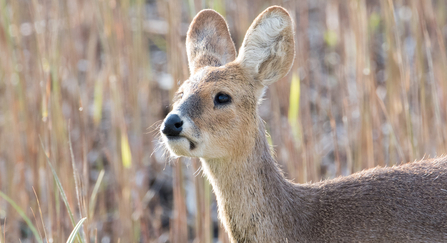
172, 125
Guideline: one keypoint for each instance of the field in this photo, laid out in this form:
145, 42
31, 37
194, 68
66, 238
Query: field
85, 84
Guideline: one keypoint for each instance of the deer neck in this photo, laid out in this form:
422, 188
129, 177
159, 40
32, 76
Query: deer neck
252, 194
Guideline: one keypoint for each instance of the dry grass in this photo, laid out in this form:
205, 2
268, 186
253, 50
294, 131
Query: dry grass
370, 88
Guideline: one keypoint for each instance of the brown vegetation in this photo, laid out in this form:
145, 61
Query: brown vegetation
368, 88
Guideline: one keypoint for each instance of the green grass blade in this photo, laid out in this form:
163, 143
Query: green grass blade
97, 102
92, 203
61, 189
294, 105
59, 186
75, 230
125, 151
20, 211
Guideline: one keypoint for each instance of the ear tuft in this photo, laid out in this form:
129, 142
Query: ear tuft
268, 49
208, 41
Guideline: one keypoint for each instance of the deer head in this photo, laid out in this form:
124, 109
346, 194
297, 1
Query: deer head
215, 111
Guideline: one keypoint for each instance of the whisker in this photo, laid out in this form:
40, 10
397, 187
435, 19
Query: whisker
196, 173
155, 127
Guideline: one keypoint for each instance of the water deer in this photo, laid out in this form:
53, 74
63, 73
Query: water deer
215, 118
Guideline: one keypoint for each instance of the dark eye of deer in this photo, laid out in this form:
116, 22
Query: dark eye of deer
222, 99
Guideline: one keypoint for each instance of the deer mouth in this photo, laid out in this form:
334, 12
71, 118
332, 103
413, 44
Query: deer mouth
192, 144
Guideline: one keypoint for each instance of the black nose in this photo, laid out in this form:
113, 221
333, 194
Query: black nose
172, 125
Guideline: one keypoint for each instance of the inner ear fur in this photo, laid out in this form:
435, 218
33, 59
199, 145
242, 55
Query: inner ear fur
268, 50
208, 41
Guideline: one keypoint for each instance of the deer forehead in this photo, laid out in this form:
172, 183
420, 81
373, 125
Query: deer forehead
209, 81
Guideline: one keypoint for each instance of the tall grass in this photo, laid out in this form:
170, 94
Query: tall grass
93, 79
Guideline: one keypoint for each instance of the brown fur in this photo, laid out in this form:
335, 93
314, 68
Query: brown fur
256, 203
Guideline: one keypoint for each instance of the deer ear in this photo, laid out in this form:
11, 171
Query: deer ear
268, 49
208, 41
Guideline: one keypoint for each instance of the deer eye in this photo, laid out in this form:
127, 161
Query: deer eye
222, 99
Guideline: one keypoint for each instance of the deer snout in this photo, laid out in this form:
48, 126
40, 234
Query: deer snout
172, 126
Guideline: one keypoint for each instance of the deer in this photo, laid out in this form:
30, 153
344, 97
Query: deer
215, 118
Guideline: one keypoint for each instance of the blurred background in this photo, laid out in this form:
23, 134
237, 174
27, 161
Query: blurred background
84, 85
